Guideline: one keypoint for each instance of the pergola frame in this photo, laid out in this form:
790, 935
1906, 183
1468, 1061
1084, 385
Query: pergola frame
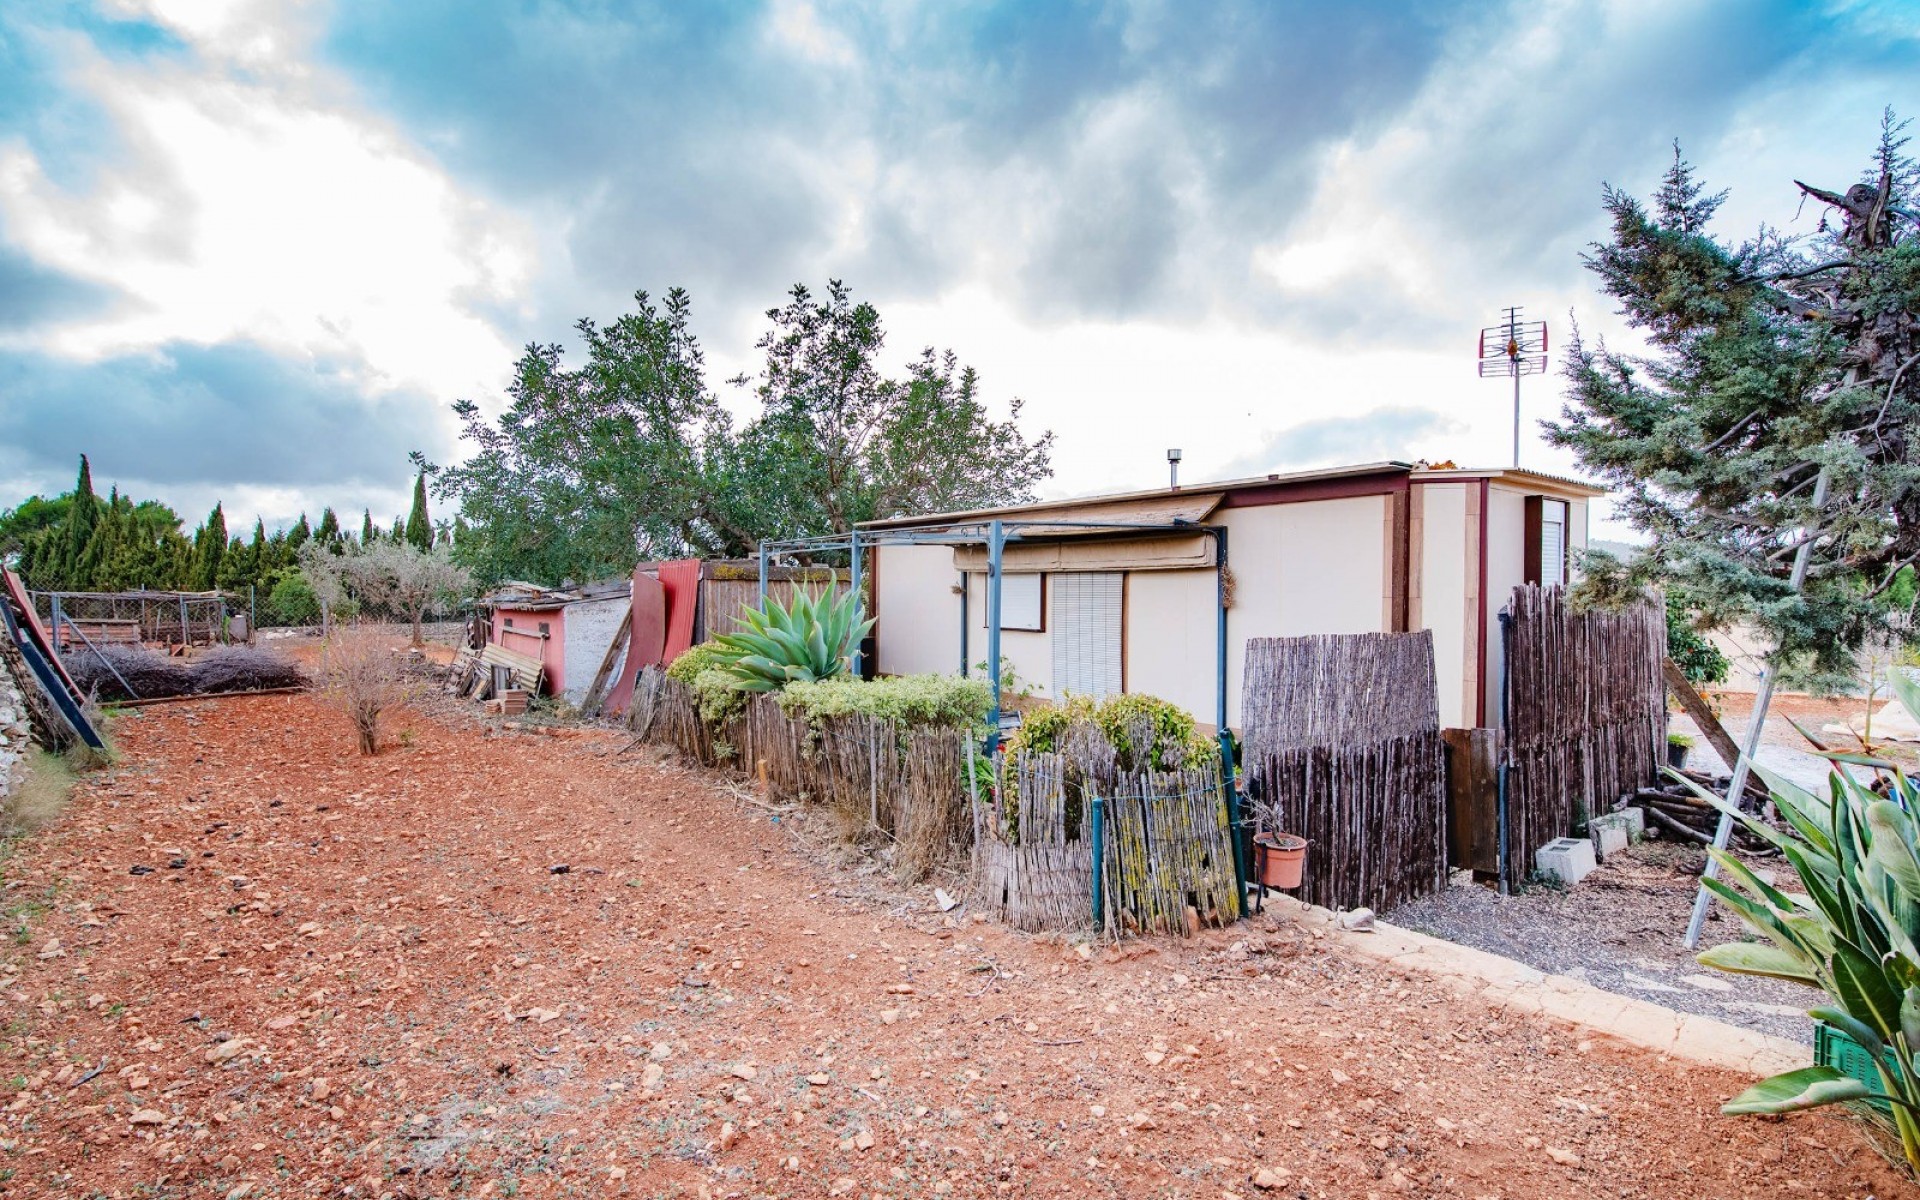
996, 535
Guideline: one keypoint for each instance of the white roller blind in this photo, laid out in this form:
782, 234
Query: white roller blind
1553, 542
1086, 633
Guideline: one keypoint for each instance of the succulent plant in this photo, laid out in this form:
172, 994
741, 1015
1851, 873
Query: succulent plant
810, 639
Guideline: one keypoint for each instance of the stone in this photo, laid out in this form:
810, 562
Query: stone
1610, 835
1268, 1178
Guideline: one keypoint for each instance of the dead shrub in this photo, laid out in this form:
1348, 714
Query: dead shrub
362, 677
244, 669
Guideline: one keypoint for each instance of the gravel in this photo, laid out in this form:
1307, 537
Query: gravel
1619, 929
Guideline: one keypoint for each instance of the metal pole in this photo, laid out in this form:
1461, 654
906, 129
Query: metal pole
58, 616
1500, 822
1756, 725
996, 545
1516, 416
859, 599
1099, 864
966, 592
763, 573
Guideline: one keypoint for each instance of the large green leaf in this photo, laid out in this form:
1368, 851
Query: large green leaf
1751, 958
1738, 871
1893, 844
1862, 990
1808, 1087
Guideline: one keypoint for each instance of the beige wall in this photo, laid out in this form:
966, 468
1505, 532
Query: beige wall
919, 629
1171, 620
1030, 654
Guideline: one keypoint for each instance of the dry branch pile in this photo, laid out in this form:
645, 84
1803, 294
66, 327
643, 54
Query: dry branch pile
117, 673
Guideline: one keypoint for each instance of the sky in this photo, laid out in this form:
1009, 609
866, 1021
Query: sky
253, 250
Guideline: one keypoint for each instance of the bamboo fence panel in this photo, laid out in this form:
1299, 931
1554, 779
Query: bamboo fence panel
1040, 877
1168, 856
1586, 714
1343, 748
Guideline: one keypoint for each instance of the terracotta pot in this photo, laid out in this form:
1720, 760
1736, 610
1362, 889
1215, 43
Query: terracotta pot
1279, 859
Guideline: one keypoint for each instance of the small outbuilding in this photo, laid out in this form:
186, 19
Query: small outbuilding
567, 629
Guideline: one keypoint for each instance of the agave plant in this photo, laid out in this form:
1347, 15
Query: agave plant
808, 640
1852, 933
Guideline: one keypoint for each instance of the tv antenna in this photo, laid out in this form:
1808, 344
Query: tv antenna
1513, 348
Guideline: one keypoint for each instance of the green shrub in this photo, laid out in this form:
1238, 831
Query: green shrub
1041, 729
945, 701
691, 662
717, 696
1174, 739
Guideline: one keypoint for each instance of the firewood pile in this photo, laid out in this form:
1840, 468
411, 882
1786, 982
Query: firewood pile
1675, 811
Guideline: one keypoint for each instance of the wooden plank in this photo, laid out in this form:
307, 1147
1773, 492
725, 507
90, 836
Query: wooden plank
1473, 799
1716, 734
615, 649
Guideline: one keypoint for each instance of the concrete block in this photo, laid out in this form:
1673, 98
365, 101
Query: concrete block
1611, 834
1636, 819
1568, 859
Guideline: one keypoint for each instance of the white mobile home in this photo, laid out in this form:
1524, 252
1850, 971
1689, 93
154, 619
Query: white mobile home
1122, 595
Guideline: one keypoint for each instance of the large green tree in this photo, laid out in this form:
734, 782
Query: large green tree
1776, 403
419, 525
630, 455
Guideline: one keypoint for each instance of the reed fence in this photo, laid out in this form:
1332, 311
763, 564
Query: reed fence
1586, 714
907, 784
1168, 853
1343, 748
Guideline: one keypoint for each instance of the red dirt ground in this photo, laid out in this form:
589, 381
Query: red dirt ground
360, 977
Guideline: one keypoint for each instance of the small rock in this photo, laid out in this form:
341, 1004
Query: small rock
1001, 1118
147, 1116
889, 1015
728, 1136
322, 1088
559, 869
653, 1077
863, 1140
946, 902
744, 1071
819, 1079
139, 869
1267, 1178
1565, 1158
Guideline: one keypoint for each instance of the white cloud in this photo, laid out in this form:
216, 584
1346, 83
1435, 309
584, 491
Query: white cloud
258, 201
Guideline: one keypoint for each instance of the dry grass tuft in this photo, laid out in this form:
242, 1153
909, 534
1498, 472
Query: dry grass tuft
42, 796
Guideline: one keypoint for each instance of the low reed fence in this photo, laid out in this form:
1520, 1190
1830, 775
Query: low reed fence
1165, 840
908, 784
1343, 748
1586, 714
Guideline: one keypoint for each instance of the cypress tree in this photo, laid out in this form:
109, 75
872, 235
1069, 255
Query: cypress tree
82, 516
398, 534
368, 534
210, 548
419, 525
298, 536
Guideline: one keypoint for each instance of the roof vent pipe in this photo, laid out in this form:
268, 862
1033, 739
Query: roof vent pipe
1173, 469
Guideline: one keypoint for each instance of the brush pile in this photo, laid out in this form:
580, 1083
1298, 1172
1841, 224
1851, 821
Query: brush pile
118, 673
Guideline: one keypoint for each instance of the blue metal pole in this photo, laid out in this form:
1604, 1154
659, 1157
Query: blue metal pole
996, 545
859, 597
1099, 862
1236, 822
763, 573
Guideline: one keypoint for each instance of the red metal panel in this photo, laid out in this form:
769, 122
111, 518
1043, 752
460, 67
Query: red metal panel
646, 639
35, 631
681, 581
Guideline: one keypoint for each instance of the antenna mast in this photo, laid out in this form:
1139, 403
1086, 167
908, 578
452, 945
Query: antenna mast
1513, 348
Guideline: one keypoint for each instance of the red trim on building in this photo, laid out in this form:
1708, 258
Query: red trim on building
1382, 483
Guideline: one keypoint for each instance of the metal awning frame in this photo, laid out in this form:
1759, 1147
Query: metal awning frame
996, 535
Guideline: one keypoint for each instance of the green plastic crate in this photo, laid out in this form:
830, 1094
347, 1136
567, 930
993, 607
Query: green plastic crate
1832, 1048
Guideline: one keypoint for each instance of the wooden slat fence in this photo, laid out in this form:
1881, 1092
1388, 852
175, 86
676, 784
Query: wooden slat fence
1169, 853
1343, 748
1586, 714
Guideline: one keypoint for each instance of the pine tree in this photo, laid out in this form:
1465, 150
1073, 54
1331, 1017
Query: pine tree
1778, 406
419, 526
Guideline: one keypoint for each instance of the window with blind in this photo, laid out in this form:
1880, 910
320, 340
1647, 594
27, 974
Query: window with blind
1546, 534
1086, 632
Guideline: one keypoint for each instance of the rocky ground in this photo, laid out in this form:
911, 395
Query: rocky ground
248, 963
1621, 929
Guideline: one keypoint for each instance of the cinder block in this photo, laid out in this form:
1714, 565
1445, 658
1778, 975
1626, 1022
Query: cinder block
1609, 836
1636, 819
1567, 859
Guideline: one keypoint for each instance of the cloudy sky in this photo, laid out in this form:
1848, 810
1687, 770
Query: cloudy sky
253, 249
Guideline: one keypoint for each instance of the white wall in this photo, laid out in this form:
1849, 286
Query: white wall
1171, 638
1506, 570
919, 610
1029, 653
1446, 548
588, 629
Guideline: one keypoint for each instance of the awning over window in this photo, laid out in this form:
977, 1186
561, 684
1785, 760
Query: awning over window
1174, 552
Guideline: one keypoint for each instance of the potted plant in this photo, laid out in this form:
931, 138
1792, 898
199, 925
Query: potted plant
1677, 746
1279, 859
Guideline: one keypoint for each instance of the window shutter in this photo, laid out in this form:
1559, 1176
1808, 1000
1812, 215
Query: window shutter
1086, 633
1553, 542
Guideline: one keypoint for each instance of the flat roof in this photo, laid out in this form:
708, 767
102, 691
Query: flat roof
1054, 507
1513, 475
